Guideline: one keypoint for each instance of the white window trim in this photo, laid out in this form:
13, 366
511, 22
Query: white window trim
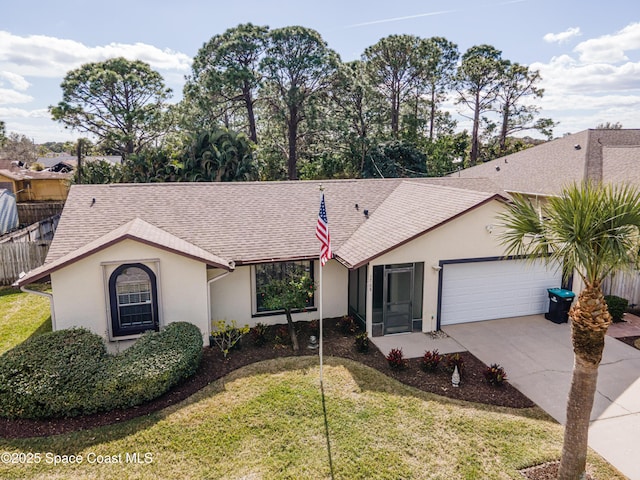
107, 269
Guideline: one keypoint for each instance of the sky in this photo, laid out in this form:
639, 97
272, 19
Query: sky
587, 52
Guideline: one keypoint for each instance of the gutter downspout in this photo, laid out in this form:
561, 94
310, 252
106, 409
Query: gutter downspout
232, 266
51, 308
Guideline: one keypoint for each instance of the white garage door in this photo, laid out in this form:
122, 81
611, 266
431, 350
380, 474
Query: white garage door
476, 291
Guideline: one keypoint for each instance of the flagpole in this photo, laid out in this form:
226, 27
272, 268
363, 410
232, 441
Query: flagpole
320, 311
322, 233
320, 299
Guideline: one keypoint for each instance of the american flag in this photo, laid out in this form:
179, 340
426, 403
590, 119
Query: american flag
322, 232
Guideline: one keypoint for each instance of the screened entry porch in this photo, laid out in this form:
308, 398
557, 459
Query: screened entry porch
396, 297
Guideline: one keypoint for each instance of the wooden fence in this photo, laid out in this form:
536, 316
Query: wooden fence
30, 213
25, 249
42, 230
17, 257
625, 285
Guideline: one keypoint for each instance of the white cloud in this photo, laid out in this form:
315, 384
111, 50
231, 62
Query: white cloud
18, 82
610, 48
565, 74
562, 36
22, 113
43, 56
577, 103
596, 82
41, 130
11, 96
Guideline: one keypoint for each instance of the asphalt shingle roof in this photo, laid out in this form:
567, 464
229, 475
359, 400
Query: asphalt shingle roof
409, 211
546, 168
140, 231
252, 222
621, 165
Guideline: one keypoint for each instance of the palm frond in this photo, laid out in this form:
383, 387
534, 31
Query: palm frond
522, 228
591, 229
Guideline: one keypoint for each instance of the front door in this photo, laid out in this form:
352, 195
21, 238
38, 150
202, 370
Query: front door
398, 299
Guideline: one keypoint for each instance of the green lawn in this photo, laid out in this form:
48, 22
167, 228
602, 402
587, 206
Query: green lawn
21, 316
266, 422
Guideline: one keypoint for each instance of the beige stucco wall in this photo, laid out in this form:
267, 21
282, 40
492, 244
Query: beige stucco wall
231, 296
80, 290
466, 236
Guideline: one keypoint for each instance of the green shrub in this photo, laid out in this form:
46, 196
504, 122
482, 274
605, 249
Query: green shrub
227, 336
282, 336
616, 306
347, 325
51, 375
259, 335
362, 342
151, 366
69, 372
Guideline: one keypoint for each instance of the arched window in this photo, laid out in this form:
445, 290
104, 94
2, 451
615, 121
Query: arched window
134, 300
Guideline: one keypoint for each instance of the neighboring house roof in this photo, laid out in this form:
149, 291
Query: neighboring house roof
22, 174
72, 160
546, 168
253, 222
621, 164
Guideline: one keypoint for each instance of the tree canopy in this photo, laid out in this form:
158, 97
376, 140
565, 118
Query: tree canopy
225, 78
19, 148
477, 83
121, 102
3, 133
297, 67
305, 113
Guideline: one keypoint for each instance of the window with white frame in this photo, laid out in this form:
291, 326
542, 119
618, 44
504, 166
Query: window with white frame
133, 300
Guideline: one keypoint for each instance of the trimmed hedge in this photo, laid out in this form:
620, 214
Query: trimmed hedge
69, 372
151, 366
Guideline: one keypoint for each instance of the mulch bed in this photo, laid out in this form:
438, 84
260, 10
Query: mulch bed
473, 387
546, 471
628, 340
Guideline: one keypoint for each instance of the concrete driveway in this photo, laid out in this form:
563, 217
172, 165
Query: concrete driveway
538, 358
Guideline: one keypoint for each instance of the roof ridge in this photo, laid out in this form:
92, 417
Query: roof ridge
448, 187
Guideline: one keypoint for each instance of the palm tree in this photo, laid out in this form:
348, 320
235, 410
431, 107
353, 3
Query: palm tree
591, 230
219, 155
